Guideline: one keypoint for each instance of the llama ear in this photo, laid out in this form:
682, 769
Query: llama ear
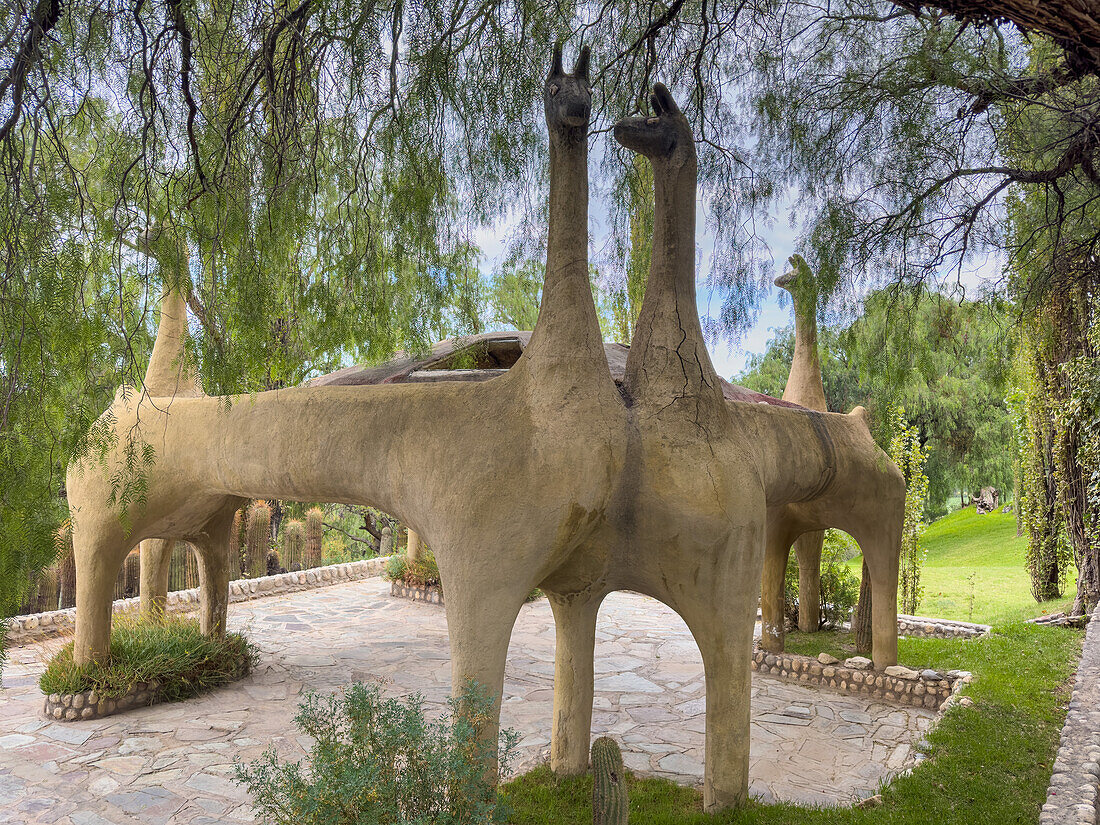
664, 97
555, 66
581, 69
655, 105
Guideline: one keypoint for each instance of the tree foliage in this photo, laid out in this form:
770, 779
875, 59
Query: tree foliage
905, 450
946, 362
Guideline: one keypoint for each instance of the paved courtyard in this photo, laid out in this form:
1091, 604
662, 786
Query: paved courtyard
174, 763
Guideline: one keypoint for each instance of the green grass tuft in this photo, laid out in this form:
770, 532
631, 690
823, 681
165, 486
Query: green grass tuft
170, 651
988, 764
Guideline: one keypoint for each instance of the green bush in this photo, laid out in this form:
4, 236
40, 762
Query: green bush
839, 586
169, 650
423, 572
380, 761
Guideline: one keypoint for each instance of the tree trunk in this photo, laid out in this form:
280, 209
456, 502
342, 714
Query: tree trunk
861, 620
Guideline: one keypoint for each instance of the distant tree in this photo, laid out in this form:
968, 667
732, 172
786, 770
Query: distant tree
946, 362
767, 372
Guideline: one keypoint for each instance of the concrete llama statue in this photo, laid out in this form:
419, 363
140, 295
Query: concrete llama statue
546, 476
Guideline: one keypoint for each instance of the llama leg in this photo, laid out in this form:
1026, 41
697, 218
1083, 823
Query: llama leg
722, 625
772, 598
807, 548
479, 625
881, 551
575, 623
215, 571
98, 561
156, 561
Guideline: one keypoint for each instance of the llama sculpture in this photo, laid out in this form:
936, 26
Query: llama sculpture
804, 387
548, 475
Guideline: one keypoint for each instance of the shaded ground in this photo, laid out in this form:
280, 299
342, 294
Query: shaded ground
173, 763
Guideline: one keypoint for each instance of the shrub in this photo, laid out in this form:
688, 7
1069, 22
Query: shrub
424, 571
380, 761
839, 586
168, 650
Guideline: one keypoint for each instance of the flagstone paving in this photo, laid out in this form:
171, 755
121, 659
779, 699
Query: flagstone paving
174, 763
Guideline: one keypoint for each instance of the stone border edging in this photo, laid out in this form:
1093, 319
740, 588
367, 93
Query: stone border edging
430, 593
1074, 780
939, 628
71, 707
927, 688
38, 626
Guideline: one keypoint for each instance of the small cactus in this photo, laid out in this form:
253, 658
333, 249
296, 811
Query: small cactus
609, 804
294, 543
314, 537
258, 538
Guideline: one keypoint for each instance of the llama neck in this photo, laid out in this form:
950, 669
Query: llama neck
668, 358
567, 344
804, 383
168, 373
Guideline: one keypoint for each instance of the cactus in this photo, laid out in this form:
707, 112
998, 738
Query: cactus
385, 545
294, 543
258, 538
609, 804
235, 541
66, 566
131, 572
314, 536
190, 567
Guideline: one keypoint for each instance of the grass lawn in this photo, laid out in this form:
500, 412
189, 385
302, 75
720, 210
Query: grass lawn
988, 764
963, 544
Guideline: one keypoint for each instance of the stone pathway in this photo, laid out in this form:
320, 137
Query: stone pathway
174, 763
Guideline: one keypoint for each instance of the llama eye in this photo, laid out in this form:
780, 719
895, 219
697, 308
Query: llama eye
653, 121
553, 89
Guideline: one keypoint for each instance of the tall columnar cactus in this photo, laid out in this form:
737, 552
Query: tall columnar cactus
235, 555
609, 804
314, 537
66, 566
258, 538
294, 545
131, 572
190, 567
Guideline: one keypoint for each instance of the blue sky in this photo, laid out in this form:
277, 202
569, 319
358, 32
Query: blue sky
729, 358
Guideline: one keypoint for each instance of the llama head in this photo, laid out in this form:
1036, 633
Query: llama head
568, 99
665, 137
799, 275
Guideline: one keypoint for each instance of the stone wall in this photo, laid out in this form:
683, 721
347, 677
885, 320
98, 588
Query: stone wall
430, 593
33, 628
927, 688
70, 707
939, 628
1071, 796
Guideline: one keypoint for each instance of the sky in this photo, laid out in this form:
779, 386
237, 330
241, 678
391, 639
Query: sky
729, 359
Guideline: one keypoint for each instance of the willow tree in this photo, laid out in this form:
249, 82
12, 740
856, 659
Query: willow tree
327, 161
